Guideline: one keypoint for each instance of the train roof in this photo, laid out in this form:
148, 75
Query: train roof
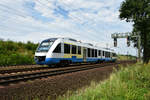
50, 39
79, 43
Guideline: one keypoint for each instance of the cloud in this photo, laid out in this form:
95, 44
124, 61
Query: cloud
89, 20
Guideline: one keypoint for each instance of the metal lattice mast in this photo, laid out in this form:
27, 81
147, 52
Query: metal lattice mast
128, 35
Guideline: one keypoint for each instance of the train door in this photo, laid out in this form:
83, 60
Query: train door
84, 54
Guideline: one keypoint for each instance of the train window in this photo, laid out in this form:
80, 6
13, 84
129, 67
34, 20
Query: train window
99, 52
95, 53
108, 54
89, 52
66, 48
103, 53
58, 48
74, 49
92, 52
114, 55
79, 50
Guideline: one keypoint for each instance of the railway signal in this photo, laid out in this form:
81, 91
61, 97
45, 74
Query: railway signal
115, 36
136, 44
115, 42
129, 35
128, 41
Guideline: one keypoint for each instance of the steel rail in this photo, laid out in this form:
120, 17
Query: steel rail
20, 69
4, 80
34, 68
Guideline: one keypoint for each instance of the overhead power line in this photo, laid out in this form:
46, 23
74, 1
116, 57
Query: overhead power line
11, 10
79, 20
75, 19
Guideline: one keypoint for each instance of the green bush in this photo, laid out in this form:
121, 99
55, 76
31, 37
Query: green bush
15, 59
16, 53
31, 46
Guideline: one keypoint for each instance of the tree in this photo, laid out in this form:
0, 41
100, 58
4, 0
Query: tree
138, 12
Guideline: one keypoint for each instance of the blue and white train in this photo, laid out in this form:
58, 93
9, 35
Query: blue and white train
64, 51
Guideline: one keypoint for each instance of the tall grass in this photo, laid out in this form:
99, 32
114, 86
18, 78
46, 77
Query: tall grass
132, 83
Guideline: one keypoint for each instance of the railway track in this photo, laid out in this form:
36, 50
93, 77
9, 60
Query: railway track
26, 69
8, 71
5, 80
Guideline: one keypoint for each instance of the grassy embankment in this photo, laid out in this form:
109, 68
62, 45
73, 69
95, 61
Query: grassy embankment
126, 57
131, 83
16, 53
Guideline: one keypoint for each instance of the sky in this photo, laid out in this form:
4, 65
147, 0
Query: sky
87, 20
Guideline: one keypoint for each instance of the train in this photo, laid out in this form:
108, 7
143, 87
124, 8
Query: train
65, 51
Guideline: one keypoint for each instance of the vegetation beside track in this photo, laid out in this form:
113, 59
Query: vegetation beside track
131, 83
16, 53
126, 57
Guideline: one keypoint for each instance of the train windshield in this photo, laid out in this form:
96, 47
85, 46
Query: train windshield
45, 46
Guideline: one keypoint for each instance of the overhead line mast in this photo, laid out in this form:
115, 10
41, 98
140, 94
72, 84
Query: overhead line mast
128, 36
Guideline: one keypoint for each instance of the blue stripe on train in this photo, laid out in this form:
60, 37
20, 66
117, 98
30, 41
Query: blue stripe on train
49, 61
57, 60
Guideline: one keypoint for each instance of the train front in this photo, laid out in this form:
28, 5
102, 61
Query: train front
43, 50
